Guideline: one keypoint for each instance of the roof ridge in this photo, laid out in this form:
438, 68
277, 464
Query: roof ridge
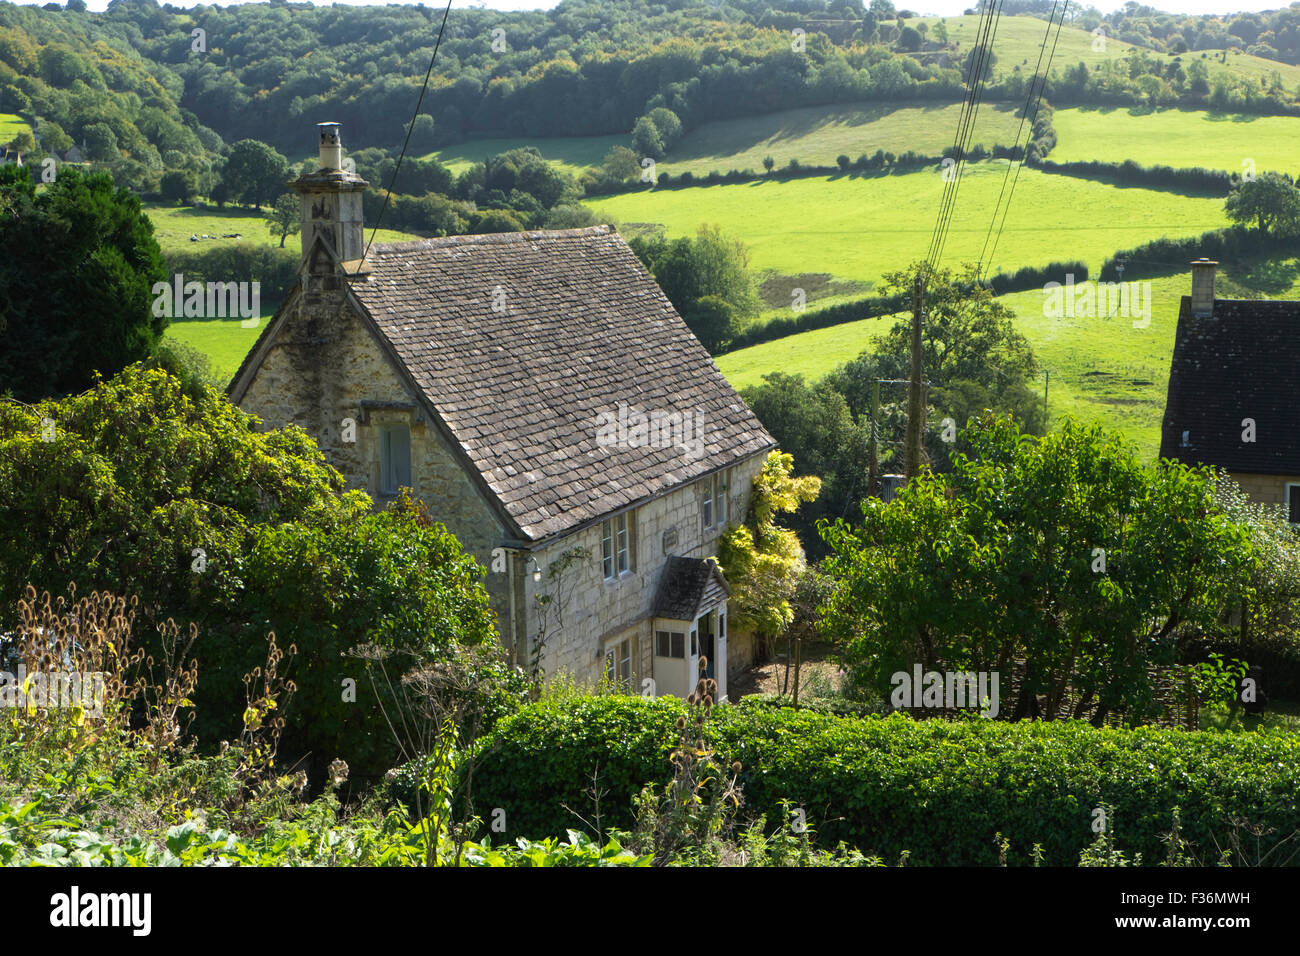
475, 238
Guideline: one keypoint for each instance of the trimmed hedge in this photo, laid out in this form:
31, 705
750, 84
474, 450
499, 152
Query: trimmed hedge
938, 789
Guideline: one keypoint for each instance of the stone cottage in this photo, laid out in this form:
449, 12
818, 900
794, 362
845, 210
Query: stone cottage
1233, 390
543, 398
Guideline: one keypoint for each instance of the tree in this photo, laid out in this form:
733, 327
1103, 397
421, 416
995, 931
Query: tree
285, 217
101, 143
714, 322
941, 32
709, 265
1066, 552
646, 138
973, 355
761, 560
814, 425
909, 39
982, 57
75, 282
189, 505
24, 142
768, 163
668, 125
179, 186
53, 136
423, 137
622, 164
255, 173
1271, 201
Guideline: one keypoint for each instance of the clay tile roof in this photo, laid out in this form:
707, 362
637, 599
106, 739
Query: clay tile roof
578, 327
688, 585
1242, 362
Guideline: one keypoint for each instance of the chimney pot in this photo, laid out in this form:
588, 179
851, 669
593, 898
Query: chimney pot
331, 146
1203, 287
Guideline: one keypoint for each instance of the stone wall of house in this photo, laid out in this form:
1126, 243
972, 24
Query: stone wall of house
325, 366
596, 613
1266, 489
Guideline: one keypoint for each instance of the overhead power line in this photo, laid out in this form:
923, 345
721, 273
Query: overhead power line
1042, 86
388, 193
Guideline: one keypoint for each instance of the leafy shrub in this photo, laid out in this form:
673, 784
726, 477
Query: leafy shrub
141, 490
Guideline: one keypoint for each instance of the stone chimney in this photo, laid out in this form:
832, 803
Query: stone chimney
331, 211
1203, 288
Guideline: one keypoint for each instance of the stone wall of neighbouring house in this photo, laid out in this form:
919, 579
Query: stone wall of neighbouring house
1266, 489
324, 365
740, 652
597, 612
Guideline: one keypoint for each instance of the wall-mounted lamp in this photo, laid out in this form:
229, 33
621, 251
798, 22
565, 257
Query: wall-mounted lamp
537, 572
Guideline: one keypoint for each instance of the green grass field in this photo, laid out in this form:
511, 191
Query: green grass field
224, 341
1019, 38
10, 126
858, 227
173, 226
571, 153
1018, 41
815, 135
1177, 138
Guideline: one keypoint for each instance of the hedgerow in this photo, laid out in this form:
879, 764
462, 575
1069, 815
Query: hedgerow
940, 790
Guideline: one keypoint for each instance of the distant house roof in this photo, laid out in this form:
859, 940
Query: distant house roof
1241, 362
688, 586
578, 327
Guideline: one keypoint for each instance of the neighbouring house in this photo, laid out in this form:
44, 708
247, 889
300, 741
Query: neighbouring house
10, 156
1234, 390
543, 398
73, 154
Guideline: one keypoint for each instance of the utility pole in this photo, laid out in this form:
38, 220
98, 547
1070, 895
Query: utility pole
873, 473
915, 409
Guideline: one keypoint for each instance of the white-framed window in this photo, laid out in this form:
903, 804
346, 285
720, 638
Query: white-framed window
1293, 503
618, 663
670, 644
616, 545
394, 458
713, 501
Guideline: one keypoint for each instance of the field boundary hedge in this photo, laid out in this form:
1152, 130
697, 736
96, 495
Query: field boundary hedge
1186, 179
872, 307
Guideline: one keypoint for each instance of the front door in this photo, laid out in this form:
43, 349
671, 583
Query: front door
708, 644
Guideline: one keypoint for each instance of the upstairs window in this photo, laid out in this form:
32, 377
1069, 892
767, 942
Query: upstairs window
1293, 503
394, 458
616, 545
713, 501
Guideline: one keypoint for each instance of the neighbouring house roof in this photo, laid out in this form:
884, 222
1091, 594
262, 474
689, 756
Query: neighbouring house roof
579, 327
689, 586
1241, 362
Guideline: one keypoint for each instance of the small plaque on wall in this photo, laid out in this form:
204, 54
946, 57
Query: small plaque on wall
670, 540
